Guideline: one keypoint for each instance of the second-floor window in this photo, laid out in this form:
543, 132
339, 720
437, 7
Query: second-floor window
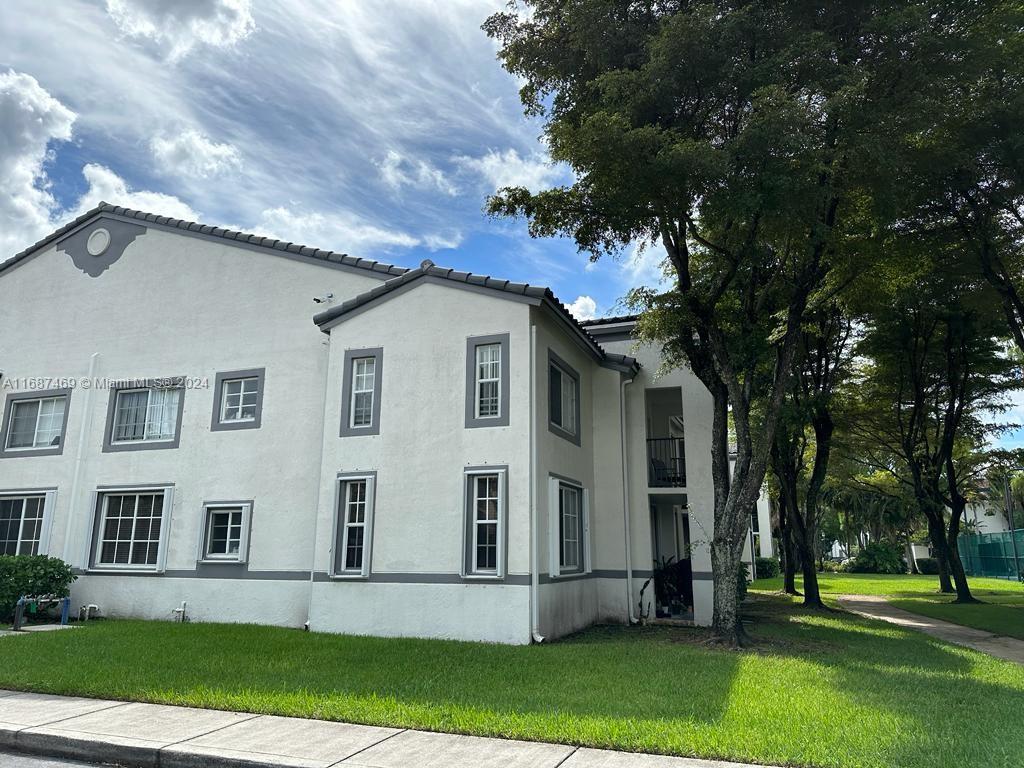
364, 377
360, 407
36, 423
238, 400
487, 382
146, 415
563, 399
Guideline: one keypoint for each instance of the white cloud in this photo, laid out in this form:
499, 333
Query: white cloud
398, 171
30, 118
343, 231
177, 26
584, 308
642, 265
192, 154
510, 169
107, 186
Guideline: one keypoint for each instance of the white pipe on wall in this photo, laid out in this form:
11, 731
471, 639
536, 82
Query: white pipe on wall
320, 479
83, 436
535, 634
625, 500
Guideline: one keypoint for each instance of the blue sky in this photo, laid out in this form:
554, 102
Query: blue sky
374, 128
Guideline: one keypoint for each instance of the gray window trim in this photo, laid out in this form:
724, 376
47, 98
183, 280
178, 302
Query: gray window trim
17, 397
501, 420
468, 571
109, 446
581, 522
554, 359
346, 391
243, 554
338, 529
216, 425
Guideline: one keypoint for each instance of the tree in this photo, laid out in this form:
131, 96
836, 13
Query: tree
935, 374
746, 138
805, 429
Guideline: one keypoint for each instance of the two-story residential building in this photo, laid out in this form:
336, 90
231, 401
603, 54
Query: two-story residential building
272, 433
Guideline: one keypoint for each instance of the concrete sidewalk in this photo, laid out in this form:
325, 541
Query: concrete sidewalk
877, 607
94, 730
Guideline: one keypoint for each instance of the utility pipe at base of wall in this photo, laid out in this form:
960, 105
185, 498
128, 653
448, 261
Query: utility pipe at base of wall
535, 634
625, 500
76, 479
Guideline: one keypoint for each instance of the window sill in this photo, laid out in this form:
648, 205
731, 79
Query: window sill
349, 576
219, 561
572, 437
140, 445
20, 453
483, 577
107, 570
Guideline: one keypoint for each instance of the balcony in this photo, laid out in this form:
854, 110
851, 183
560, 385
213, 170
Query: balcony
666, 462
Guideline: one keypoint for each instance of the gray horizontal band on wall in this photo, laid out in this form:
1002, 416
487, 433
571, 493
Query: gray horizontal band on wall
545, 578
218, 572
512, 579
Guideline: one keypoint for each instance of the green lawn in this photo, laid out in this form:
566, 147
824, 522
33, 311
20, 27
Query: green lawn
899, 585
817, 689
998, 614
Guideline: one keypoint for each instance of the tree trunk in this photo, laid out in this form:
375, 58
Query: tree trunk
790, 560
812, 594
726, 625
963, 589
937, 536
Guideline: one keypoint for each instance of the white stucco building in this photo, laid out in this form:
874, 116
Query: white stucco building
422, 452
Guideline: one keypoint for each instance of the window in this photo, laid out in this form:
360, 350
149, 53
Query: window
144, 415
35, 423
485, 521
361, 392
238, 400
563, 399
570, 525
569, 516
363, 378
131, 529
21, 524
226, 535
487, 382
354, 525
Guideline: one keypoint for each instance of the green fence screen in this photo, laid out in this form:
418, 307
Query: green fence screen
991, 554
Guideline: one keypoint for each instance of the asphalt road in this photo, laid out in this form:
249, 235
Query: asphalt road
13, 760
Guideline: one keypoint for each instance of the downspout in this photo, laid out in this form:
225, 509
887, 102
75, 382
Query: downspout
83, 436
625, 499
535, 634
320, 479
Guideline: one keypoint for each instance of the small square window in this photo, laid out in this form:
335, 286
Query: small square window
226, 532
35, 423
238, 400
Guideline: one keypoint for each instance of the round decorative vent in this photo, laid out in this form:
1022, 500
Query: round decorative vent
98, 242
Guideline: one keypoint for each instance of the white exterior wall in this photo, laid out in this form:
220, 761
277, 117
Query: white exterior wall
420, 456
181, 305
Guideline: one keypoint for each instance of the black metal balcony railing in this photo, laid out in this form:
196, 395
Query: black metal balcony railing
666, 462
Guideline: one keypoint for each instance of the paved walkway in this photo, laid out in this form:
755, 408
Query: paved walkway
99, 731
877, 607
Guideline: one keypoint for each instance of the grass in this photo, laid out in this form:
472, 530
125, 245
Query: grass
817, 689
897, 585
998, 614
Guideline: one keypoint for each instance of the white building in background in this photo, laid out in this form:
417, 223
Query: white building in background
422, 453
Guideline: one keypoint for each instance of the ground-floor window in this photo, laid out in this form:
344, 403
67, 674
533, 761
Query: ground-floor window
570, 527
226, 531
21, 524
485, 521
354, 525
131, 529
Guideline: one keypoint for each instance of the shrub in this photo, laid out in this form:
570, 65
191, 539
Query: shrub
927, 565
766, 567
878, 557
831, 566
35, 575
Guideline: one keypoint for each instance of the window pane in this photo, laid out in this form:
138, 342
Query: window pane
24, 415
488, 378
363, 379
555, 395
130, 415
10, 524
240, 396
354, 522
51, 422
569, 527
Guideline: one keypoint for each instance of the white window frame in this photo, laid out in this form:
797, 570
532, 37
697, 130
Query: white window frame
145, 439
49, 500
556, 570
35, 432
224, 419
471, 528
481, 380
372, 391
209, 509
339, 549
99, 523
